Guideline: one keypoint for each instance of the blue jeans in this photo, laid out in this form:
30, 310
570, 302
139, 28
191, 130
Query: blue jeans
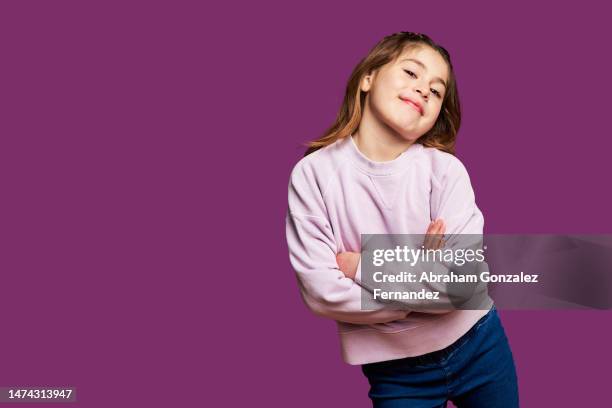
475, 371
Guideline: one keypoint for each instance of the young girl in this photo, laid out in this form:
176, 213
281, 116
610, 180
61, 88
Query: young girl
387, 166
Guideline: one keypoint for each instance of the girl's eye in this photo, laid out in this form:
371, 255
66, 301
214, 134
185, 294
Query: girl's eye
435, 92
410, 73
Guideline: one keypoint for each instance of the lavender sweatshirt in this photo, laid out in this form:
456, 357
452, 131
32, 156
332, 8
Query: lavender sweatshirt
335, 195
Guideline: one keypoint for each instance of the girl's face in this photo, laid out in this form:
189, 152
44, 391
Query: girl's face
406, 94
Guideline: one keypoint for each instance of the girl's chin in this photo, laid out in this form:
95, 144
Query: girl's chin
406, 136
407, 132
407, 126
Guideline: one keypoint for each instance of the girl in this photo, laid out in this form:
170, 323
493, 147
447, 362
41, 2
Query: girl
387, 166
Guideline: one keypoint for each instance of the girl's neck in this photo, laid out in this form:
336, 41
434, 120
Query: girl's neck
378, 143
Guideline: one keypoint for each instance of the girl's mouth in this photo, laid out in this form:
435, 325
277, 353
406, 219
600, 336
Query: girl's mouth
414, 105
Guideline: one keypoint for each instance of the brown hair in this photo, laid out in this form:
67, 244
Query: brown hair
443, 133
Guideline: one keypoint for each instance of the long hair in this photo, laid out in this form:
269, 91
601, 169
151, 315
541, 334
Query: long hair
443, 133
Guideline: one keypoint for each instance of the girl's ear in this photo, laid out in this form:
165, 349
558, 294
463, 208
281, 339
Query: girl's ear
366, 82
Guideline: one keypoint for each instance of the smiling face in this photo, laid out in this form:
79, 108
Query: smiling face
406, 95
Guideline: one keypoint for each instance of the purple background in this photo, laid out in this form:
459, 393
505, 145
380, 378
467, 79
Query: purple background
145, 151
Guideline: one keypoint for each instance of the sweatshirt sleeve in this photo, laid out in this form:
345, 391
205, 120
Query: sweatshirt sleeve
452, 199
312, 253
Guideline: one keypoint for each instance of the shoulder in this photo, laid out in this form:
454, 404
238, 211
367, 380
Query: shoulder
319, 165
309, 180
444, 165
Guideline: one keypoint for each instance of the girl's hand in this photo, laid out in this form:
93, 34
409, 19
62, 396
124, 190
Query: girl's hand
348, 262
434, 238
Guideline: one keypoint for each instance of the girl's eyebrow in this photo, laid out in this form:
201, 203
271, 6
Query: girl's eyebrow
436, 79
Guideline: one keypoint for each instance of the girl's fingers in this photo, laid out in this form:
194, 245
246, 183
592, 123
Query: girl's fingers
433, 234
426, 239
441, 242
441, 236
442, 230
437, 234
431, 230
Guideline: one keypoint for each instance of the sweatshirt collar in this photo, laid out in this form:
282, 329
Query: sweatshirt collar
380, 168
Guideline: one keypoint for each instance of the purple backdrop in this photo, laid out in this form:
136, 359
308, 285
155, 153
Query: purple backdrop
145, 152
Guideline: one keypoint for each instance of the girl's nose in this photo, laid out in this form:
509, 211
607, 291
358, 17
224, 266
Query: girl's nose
419, 90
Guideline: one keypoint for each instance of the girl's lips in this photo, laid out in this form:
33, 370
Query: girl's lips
414, 105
